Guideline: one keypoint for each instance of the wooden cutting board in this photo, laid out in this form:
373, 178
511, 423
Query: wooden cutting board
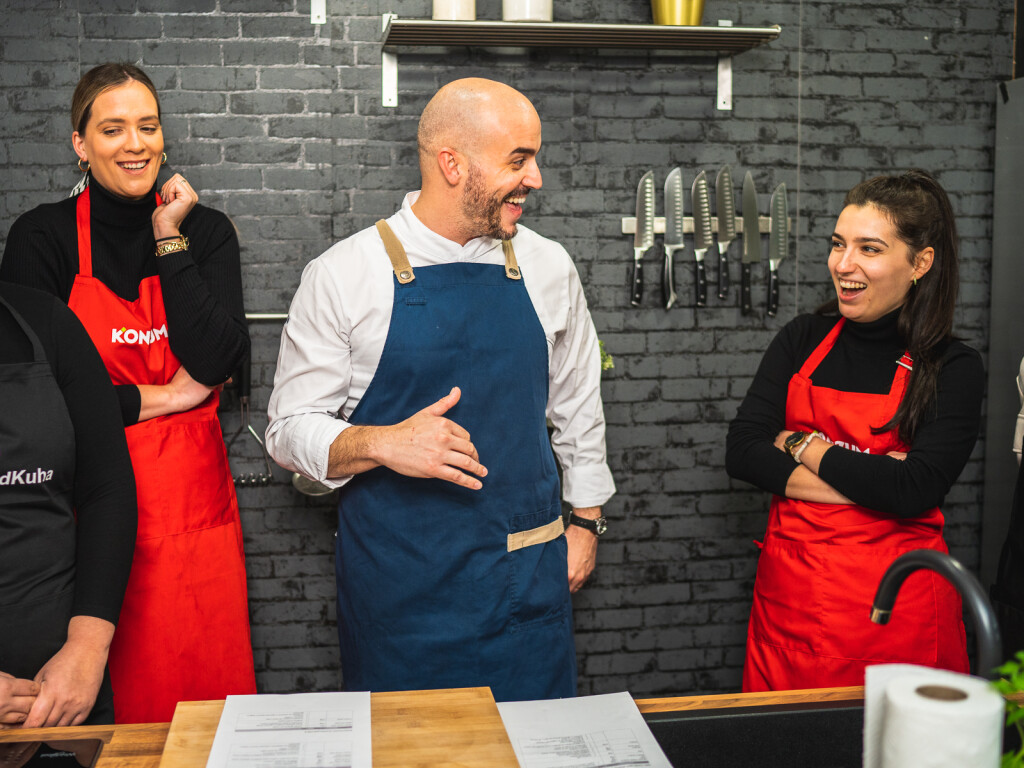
410, 729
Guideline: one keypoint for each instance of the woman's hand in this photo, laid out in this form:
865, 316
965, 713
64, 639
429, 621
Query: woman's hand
16, 699
178, 199
69, 682
182, 393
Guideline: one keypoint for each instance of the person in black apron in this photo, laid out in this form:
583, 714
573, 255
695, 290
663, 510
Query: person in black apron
62, 455
454, 567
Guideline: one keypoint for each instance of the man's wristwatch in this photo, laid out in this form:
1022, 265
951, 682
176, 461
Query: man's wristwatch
596, 527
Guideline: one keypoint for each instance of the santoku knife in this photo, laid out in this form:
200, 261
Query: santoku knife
702, 239
644, 237
673, 233
778, 245
726, 207
751, 240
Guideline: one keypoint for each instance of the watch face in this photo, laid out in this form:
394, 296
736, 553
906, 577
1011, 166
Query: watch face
601, 527
793, 441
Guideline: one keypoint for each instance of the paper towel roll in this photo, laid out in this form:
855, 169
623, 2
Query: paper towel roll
938, 719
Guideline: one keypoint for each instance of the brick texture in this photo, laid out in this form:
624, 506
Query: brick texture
279, 123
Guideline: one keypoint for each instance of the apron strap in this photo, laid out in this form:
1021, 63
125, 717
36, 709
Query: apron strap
811, 363
84, 234
399, 259
38, 355
511, 265
540, 535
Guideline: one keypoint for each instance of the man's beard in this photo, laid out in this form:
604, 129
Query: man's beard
483, 211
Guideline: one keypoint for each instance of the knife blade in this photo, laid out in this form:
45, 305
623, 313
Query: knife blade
778, 245
726, 207
644, 237
673, 233
702, 239
751, 240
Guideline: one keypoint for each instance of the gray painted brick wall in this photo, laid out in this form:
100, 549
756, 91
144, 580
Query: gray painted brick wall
279, 123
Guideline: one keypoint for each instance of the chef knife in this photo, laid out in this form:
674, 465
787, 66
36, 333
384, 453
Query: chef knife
644, 237
778, 245
726, 207
702, 239
673, 233
751, 240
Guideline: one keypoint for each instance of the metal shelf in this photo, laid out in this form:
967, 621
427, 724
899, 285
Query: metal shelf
724, 40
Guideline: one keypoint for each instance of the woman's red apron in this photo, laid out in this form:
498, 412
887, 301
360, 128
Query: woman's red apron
820, 564
183, 633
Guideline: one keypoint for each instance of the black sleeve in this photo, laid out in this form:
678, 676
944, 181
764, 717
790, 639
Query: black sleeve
942, 445
104, 496
202, 290
750, 452
33, 257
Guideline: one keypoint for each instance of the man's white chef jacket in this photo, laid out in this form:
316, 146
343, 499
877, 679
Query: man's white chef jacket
338, 323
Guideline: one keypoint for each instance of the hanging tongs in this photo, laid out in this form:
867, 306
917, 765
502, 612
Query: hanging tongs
248, 479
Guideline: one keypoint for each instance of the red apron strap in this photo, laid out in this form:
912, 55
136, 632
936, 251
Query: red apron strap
84, 235
812, 362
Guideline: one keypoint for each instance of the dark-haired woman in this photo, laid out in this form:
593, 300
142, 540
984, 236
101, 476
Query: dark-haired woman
155, 279
859, 420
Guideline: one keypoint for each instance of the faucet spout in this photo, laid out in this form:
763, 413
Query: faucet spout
970, 589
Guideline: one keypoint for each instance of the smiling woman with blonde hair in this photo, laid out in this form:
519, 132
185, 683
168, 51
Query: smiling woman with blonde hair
155, 279
859, 420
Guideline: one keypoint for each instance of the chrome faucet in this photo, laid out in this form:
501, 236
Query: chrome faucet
970, 589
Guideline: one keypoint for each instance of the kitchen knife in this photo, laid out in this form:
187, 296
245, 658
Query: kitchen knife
751, 240
673, 233
726, 207
702, 239
778, 245
644, 237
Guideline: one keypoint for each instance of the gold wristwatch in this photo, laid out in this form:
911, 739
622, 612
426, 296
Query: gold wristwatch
171, 245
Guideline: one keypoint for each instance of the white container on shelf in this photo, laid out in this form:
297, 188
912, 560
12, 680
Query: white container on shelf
526, 10
454, 10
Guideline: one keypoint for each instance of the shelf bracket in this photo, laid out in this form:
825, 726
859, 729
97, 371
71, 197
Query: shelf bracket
388, 67
724, 100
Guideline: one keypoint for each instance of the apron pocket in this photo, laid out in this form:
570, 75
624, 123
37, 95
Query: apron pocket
787, 607
848, 583
538, 575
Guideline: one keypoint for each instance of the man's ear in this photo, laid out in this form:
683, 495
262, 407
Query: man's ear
451, 164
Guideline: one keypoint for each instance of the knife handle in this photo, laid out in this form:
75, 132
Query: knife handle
745, 304
773, 293
701, 282
723, 275
637, 282
668, 288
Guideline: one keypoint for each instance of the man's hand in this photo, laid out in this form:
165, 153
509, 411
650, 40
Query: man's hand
69, 682
16, 699
582, 549
424, 445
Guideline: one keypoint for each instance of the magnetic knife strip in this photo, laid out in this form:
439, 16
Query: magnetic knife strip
763, 224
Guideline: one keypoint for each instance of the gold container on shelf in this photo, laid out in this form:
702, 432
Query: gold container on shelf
682, 13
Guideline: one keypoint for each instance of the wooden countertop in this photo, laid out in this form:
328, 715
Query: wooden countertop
411, 729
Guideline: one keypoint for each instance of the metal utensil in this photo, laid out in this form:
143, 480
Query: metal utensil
726, 207
673, 234
644, 237
250, 479
751, 240
778, 245
702, 239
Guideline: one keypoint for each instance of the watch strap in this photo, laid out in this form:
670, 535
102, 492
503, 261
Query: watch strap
597, 526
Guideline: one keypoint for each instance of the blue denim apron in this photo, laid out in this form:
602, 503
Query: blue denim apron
433, 592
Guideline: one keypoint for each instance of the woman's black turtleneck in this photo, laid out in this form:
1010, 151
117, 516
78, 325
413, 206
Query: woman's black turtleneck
202, 287
863, 359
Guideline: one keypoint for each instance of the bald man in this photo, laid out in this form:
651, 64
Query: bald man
419, 364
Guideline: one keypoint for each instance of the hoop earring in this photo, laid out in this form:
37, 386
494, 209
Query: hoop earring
83, 170
163, 158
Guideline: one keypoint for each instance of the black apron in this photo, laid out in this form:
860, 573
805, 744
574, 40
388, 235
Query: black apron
37, 519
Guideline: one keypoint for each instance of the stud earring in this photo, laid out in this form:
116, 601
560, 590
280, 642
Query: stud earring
163, 158
83, 170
